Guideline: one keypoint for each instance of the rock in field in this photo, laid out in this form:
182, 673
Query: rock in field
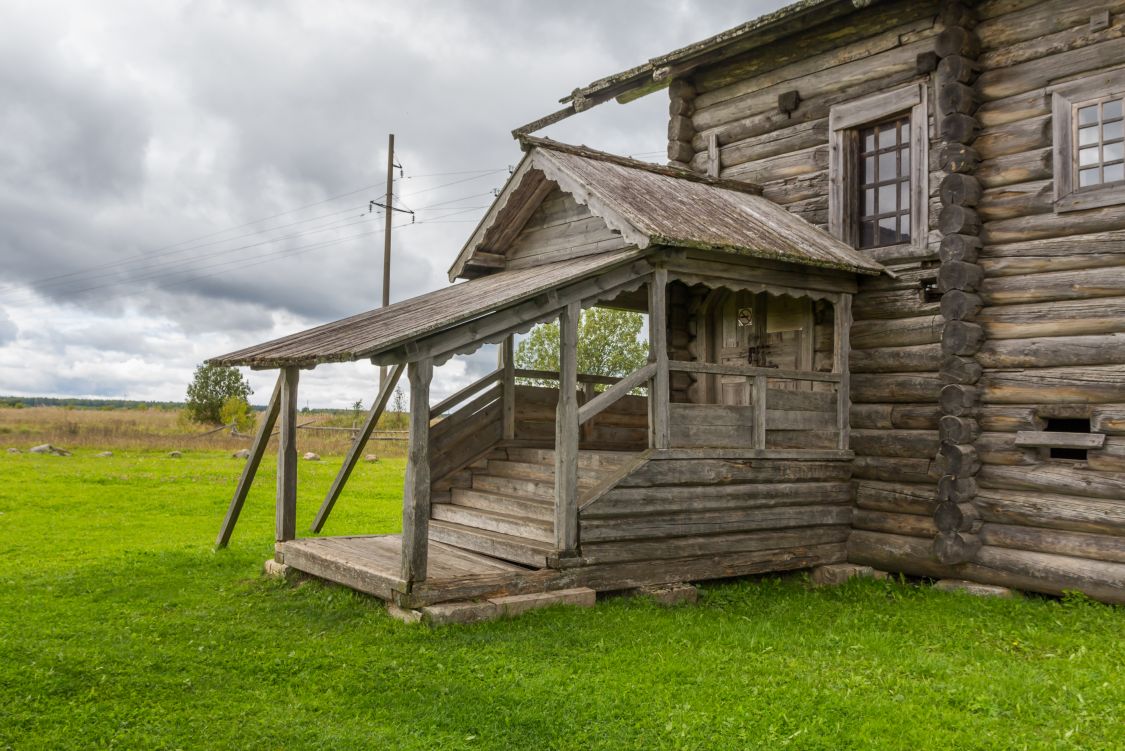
311, 457
371, 458
47, 448
14, 450
174, 454
104, 454
241, 454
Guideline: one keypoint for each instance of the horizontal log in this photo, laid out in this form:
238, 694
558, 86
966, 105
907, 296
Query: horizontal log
899, 553
1065, 479
734, 471
684, 498
1054, 439
888, 469
920, 444
722, 545
1026, 106
1052, 352
1054, 574
1033, 74
1049, 287
1014, 138
1021, 167
892, 304
895, 497
1102, 384
894, 523
1067, 246
900, 416
1017, 200
1078, 544
955, 547
1051, 511
1060, 318
658, 526
924, 358
1108, 419
1009, 419
1045, 226
897, 388
1001, 449
1025, 265
904, 332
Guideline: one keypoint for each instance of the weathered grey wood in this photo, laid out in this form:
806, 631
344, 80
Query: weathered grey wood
894, 523
841, 345
721, 545
250, 469
750, 372
658, 343
566, 435
896, 497
712, 522
416, 496
614, 393
761, 407
356, 449
286, 528
619, 502
1060, 440
507, 356
1037, 539
473, 388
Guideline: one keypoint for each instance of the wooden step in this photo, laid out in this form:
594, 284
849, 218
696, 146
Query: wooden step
533, 471
532, 508
494, 521
542, 490
594, 460
495, 544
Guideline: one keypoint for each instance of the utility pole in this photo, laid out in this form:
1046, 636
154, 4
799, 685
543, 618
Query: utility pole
387, 236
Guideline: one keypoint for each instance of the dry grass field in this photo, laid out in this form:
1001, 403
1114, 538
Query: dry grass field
161, 429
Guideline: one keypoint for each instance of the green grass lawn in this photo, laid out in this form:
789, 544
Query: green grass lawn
120, 627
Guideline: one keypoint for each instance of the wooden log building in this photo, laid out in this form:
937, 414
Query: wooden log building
885, 278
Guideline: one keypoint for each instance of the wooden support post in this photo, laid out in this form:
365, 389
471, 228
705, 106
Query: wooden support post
566, 434
840, 350
287, 457
588, 394
257, 451
416, 495
377, 409
758, 399
660, 393
507, 362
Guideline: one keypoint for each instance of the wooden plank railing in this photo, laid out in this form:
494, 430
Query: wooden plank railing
472, 389
759, 378
610, 396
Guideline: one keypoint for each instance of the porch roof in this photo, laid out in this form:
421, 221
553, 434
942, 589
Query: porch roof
383, 329
654, 205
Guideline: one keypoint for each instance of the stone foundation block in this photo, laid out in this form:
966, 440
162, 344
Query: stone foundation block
404, 614
671, 594
837, 573
516, 604
972, 588
460, 612
276, 569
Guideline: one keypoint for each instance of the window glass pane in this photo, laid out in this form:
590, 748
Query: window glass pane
1115, 173
1088, 177
869, 169
1111, 110
1113, 152
869, 202
906, 132
904, 163
888, 166
1088, 115
867, 234
869, 140
904, 225
1087, 136
1113, 131
1088, 156
904, 196
888, 231
887, 202
888, 136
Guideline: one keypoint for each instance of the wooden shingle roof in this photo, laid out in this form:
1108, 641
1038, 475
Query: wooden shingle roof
653, 205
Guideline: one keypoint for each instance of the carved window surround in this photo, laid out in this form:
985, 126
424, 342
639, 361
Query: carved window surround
1066, 100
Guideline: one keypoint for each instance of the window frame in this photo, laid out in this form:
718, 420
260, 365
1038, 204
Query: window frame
1066, 98
844, 123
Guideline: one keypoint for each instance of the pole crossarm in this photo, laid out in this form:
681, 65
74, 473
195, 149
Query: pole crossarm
356, 449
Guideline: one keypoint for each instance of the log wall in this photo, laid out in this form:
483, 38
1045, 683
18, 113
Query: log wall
668, 509
1026, 317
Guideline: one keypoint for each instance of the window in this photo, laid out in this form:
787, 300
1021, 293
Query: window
879, 198
884, 184
1088, 124
1101, 142
1071, 425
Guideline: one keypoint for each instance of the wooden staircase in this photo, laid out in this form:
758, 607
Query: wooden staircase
503, 505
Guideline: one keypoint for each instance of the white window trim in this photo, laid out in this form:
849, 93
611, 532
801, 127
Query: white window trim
843, 121
1064, 97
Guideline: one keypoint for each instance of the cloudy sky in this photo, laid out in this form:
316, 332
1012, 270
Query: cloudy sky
184, 178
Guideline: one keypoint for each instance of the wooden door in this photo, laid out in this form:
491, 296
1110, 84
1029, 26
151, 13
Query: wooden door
738, 328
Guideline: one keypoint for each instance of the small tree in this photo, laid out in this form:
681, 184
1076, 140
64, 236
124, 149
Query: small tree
609, 344
237, 411
399, 408
209, 390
